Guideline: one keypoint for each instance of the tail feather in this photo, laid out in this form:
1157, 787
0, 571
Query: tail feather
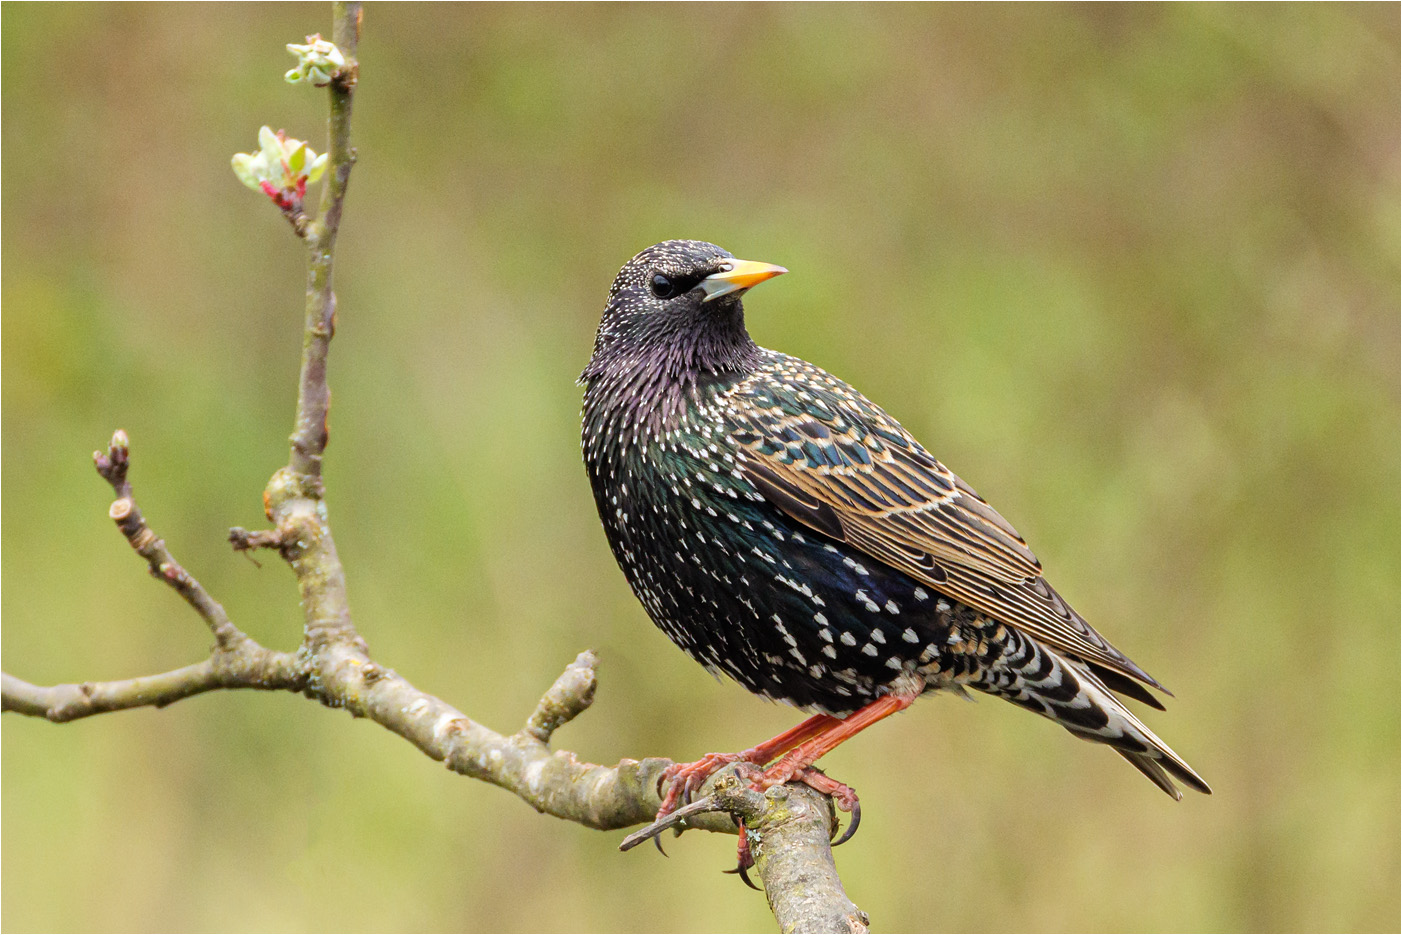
1137, 743
1074, 695
1154, 771
1124, 685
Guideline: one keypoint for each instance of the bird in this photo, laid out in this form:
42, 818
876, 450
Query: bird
784, 531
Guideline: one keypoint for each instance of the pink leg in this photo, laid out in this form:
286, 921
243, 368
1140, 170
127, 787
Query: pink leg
828, 737
798, 748
686, 778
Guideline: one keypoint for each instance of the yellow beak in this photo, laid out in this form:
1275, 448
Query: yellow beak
741, 275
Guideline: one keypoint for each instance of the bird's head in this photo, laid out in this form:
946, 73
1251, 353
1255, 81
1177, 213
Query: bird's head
676, 307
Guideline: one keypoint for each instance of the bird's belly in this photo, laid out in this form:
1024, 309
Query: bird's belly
786, 612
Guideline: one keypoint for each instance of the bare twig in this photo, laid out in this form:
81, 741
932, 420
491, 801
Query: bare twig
244, 541
127, 515
672, 819
572, 692
249, 666
295, 498
314, 399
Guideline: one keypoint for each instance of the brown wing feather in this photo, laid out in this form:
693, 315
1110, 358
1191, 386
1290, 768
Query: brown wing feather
902, 507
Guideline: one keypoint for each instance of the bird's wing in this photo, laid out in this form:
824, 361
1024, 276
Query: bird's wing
839, 465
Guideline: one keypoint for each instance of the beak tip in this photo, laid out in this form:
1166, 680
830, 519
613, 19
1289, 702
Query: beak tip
739, 276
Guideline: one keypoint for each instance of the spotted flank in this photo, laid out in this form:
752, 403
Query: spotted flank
786, 532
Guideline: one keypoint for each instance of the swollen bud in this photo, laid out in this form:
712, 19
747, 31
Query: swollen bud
317, 62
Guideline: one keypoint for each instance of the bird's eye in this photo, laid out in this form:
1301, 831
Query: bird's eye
663, 286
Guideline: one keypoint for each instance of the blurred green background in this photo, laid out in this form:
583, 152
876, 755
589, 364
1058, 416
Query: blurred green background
1132, 271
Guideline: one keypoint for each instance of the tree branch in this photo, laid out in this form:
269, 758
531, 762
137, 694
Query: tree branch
788, 827
250, 666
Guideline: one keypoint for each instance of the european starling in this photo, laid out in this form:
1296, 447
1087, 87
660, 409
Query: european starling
785, 531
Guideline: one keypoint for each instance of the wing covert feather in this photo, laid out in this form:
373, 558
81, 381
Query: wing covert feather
838, 464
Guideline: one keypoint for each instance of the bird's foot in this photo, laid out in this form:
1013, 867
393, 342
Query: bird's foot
684, 779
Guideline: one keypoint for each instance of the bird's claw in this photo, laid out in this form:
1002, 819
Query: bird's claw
843, 796
851, 825
745, 875
744, 859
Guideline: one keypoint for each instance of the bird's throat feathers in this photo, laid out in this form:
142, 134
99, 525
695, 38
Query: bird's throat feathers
646, 374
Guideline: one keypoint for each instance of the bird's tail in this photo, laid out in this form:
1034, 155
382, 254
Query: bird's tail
1069, 692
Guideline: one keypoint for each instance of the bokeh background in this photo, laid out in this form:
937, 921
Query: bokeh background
1132, 271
